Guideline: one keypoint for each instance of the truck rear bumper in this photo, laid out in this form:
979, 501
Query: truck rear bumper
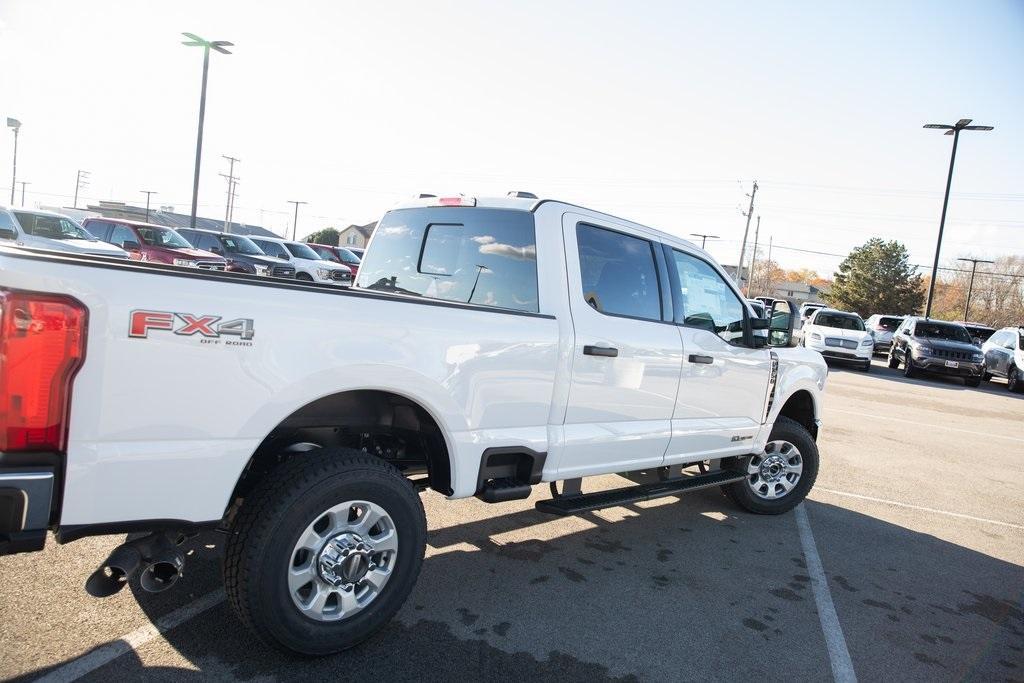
26, 497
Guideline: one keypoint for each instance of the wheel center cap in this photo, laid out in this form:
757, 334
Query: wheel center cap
344, 559
772, 468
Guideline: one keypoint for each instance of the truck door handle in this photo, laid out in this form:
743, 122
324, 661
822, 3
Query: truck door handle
705, 360
605, 351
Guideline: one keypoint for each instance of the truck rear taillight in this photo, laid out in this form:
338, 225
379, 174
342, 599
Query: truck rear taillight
42, 346
455, 201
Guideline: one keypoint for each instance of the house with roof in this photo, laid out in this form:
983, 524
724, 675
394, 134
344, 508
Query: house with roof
356, 235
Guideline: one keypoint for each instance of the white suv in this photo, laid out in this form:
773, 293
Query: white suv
841, 336
46, 230
309, 265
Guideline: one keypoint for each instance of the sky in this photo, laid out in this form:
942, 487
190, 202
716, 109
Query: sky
660, 112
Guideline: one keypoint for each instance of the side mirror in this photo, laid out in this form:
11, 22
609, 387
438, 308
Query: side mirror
780, 325
8, 234
130, 245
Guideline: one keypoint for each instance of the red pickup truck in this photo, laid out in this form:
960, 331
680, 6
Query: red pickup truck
148, 242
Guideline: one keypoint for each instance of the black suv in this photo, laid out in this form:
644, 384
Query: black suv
926, 345
241, 253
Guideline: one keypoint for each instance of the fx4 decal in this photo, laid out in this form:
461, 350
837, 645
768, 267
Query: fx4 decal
188, 325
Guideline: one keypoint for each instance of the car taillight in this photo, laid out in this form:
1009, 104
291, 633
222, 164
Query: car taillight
42, 346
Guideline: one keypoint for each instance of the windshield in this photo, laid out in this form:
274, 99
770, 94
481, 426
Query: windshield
955, 333
300, 250
162, 237
347, 257
53, 227
324, 252
839, 321
889, 324
236, 244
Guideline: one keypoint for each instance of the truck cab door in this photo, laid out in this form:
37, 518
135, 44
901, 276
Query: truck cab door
724, 381
626, 355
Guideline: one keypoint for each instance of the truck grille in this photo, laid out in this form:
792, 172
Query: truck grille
340, 275
844, 343
283, 271
210, 265
952, 355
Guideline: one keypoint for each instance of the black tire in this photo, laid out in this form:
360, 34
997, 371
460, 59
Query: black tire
867, 367
740, 491
894, 362
1014, 382
908, 365
987, 377
281, 506
972, 381
305, 277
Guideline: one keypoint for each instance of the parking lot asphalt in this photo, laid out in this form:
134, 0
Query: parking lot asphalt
916, 521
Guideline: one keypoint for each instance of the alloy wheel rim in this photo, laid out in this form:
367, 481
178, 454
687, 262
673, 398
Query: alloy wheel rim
774, 473
342, 561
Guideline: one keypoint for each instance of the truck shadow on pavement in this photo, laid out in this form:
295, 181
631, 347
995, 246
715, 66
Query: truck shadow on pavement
687, 590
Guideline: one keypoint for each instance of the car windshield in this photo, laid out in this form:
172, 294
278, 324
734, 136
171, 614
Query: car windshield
236, 244
53, 227
300, 250
955, 333
980, 331
839, 321
347, 257
162, 237
324, 252
889, 324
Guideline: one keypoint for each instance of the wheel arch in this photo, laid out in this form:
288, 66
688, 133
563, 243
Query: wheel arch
801, 406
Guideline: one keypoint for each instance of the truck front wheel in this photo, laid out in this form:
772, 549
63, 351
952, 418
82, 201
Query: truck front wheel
781, 476
324, 551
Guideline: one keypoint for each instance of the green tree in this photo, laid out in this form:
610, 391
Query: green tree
326, 236
877, 277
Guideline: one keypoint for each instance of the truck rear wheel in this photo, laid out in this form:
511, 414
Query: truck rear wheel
781, 476
324, 551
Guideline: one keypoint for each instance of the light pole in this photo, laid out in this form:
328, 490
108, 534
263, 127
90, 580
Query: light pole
148, 193
218, 45
23, 183
954, 130
295, 223
970, 288
703, 237
14, 125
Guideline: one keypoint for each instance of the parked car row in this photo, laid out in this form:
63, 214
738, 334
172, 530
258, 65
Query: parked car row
186, 247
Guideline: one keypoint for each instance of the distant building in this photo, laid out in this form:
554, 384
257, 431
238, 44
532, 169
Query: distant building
356, 235
802, 292
160, 216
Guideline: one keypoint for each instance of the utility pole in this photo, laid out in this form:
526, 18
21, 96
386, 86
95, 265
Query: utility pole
23, 183
953, 130
148, 193
81, 182
753, 258
295, 223
15, 126
231, 189
970, 288
746, 231
703, 237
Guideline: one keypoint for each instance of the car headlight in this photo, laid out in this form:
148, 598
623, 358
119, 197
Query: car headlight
323, 273
815, 336
977, 357
188, 263
261, 270
868, 342
922, 350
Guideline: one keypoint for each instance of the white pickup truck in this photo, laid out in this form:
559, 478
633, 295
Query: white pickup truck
489, 346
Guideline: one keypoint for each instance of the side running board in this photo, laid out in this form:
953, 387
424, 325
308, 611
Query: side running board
584, 502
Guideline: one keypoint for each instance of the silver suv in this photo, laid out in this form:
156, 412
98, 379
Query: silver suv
881, 328
1004, 357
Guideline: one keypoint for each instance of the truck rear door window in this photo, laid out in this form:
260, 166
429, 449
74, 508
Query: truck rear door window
472, 255
618, 273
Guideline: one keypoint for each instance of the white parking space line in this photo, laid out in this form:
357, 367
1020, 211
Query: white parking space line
85, 664
929, 425
920, 507
838, 653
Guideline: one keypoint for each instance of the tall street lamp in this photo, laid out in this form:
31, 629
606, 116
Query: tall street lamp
954, 130
295, 223
970, 288
14, 125
218, 45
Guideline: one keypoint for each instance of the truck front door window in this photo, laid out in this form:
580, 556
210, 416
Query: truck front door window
708, 301
618, 273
